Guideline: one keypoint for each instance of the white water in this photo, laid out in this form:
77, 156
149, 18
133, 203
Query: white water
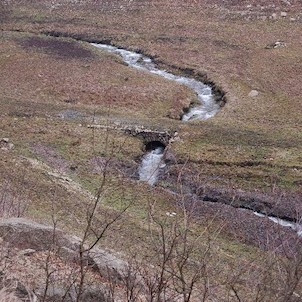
151, 165
297, 227
207, 108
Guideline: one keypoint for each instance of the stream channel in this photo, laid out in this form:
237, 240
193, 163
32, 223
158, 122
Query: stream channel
207, 107
152, 161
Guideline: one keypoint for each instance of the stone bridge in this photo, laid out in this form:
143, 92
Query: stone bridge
147, 135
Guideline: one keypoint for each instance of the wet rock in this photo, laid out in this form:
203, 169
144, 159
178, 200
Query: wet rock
253, 93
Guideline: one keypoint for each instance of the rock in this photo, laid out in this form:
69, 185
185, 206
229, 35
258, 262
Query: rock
27, 252
253, 93
93, 294
170, 157
292, 19
108, 265
283, 14
25, 234
5, 145
30, 236
90, 293
277, 44
274, 16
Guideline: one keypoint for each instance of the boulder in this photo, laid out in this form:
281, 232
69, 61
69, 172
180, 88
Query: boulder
253, 93
27, 235
108, 265
24, 234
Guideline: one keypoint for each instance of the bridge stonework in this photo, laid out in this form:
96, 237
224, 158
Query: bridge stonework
148, 135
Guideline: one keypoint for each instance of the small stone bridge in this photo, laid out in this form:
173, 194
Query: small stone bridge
147, 135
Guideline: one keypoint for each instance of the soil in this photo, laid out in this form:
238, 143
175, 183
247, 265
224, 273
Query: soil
57, 47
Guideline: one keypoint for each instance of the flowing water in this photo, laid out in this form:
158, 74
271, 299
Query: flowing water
297, 227
207, 106
151, 165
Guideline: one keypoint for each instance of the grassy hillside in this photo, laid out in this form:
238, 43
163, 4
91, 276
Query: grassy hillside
54, 85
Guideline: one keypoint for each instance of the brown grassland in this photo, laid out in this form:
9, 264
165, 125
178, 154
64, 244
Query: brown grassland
52, 88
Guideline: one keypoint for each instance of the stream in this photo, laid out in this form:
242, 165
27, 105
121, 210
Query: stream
207, 107
151, 165
152, 161
297, 227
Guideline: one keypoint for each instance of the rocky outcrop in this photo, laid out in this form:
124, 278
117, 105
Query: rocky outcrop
27, 235
24, 234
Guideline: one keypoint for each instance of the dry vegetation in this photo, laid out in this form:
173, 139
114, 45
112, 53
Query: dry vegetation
51, 88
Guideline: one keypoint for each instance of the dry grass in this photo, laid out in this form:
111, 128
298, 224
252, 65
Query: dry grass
51, 88
219, 40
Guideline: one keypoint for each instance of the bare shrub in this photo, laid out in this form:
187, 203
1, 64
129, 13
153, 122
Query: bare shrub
7, 296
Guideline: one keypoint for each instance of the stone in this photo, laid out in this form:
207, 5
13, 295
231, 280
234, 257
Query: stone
253, 93
16, 290
283, 14
108, 265
5, 144
277, 44
274, 16
27, 252
26, 234
30, 236
170, 157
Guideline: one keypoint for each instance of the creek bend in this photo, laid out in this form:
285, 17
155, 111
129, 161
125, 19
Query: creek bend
152, 161
207, 106
205, 109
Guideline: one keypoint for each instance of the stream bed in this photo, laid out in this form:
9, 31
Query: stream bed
207, 106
